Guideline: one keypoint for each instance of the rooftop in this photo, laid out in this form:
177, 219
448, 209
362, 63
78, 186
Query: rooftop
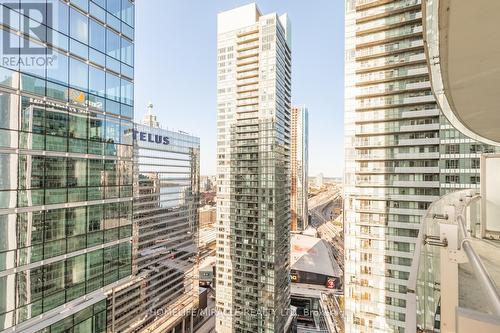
311, 254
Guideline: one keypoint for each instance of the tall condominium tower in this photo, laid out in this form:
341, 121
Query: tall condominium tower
392, 157
299, 168
253, 153
401, 154
165, 215
66, 104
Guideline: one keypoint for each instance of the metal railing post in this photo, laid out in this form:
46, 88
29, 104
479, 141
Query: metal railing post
449, 274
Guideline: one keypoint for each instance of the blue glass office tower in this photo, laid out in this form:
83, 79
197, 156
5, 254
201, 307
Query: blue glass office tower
66, 169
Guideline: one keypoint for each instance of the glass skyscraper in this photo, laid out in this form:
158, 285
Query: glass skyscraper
253, 171
165, 237
66, 169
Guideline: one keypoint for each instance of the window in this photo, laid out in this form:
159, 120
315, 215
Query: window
111, 173
61, 21
97, 57
76, 221
127, 111
114, 7
97, 11
55, 172
451, 164
59, 72
57, 91
128, 12
32, 116
75, 270
97, 79
474, 180
82, 4
127, 52
57, 121
96, 127
79, 49
35, 166
126, 132
452, 149
55, 224
8, 110
475, 163
59, 40
94, 264
127, 92
78, 74
112, 44
97, 36
77, 172
8, 78
112, 130
112, 87
78, 26
452, 179
78, 125
95, 172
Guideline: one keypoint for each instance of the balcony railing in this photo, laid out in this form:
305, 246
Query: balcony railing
453, 281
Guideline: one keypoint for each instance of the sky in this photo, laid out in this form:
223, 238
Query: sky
175, 69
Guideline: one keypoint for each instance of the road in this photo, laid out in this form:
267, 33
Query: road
328, 226
207, 325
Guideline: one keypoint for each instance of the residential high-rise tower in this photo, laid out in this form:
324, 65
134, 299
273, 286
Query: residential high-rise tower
299, 168
253, 181
401, 154
392, 158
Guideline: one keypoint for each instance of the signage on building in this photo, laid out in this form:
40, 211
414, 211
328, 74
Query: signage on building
150, 137
330, 283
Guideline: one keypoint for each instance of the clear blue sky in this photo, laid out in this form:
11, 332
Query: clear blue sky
175, 68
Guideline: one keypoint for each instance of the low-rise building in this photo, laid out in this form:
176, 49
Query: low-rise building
316, 279
207, 272
207, 216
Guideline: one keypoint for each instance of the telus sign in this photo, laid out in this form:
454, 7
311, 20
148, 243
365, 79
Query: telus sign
149, 137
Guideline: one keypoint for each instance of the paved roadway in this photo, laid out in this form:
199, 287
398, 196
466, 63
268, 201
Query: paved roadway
321, 209
207, 327
208, 323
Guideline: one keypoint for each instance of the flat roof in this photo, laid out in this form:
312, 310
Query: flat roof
207, 263
311, 254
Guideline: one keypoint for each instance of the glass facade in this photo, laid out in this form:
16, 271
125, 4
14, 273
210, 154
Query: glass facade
459, 159
166, 196
90, 319
66, 167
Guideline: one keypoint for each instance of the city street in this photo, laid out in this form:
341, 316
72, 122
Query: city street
207, 325
326, 218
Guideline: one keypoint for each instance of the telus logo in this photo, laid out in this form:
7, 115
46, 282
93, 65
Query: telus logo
148, 137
